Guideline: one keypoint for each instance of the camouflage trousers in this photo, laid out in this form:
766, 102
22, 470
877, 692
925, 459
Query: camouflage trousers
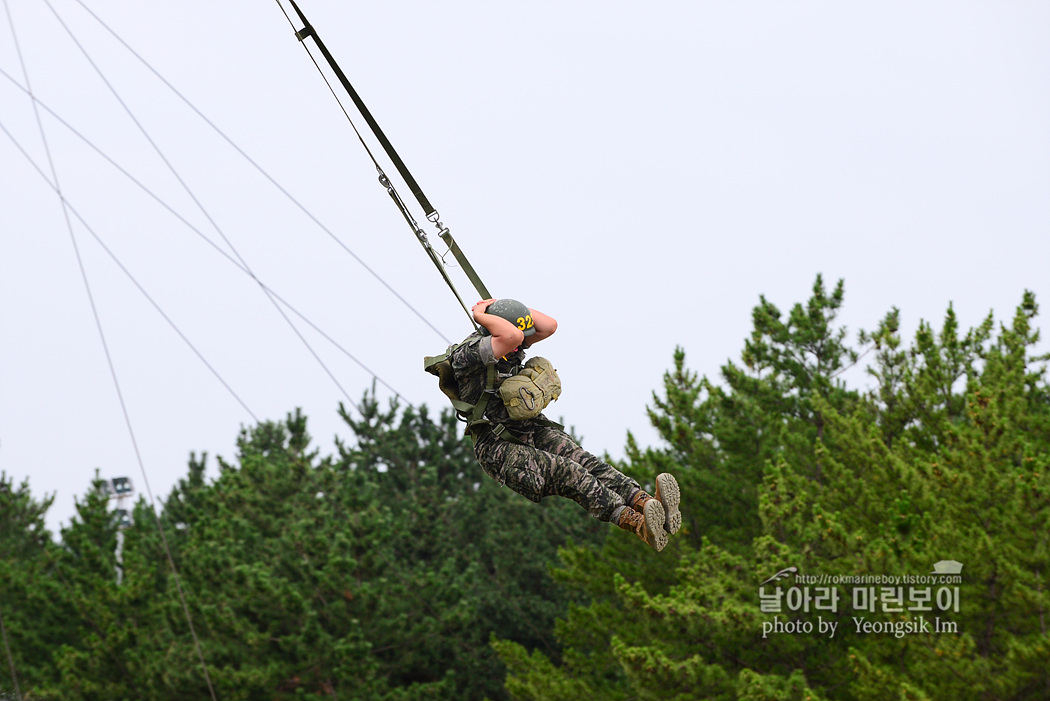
550, 463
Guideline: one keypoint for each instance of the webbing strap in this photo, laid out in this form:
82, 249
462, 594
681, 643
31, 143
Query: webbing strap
431, 213
425, 243
446, 236
483, 402
501, 431
478, 417
309, 31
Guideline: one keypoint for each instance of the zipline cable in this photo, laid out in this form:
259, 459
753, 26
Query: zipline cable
432, 215
218, 249
262, 171
109, 360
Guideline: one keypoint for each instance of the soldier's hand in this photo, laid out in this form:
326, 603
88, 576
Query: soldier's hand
481, 306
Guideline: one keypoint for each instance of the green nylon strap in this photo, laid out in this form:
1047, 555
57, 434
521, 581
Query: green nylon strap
501, 431
431, 212
483, 402
478, 418
446, 236
309, 31
434, 257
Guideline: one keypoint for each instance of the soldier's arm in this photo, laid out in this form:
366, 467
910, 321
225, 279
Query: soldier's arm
506, 337
545, 327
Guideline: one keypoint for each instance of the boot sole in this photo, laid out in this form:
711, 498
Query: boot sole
654, 517
670, 497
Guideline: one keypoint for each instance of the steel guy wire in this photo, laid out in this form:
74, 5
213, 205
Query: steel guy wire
262, 171
202, 235
203, 210
109, 360
131, 277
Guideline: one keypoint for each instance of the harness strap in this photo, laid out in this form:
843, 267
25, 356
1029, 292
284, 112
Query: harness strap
446, 236
425, 243
483, 402
500, 431
478, 418
436, 365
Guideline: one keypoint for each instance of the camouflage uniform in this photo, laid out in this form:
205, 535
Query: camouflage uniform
547, 461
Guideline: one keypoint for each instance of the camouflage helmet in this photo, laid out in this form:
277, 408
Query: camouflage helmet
513, 311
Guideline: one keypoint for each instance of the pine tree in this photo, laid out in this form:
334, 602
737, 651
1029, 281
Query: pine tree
98, 660
471, 557
34, 620
379, 573
944, 459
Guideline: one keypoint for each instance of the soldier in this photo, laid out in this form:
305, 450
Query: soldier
533, 456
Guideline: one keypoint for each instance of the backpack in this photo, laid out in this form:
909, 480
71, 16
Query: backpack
529, 392
537, 388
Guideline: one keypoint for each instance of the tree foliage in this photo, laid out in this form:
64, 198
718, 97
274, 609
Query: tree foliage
380, 572
393, 570
944, 456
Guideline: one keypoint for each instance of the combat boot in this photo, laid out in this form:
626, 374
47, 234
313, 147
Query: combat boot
646, 524
639, 499
669, 496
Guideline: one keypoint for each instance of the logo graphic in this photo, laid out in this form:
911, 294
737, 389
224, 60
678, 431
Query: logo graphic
947, 567
786, 572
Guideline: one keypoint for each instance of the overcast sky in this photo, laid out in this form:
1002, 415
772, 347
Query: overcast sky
640, 171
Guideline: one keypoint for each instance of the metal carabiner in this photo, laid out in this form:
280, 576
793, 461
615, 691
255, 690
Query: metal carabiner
530, 402
384, 181
436, 219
